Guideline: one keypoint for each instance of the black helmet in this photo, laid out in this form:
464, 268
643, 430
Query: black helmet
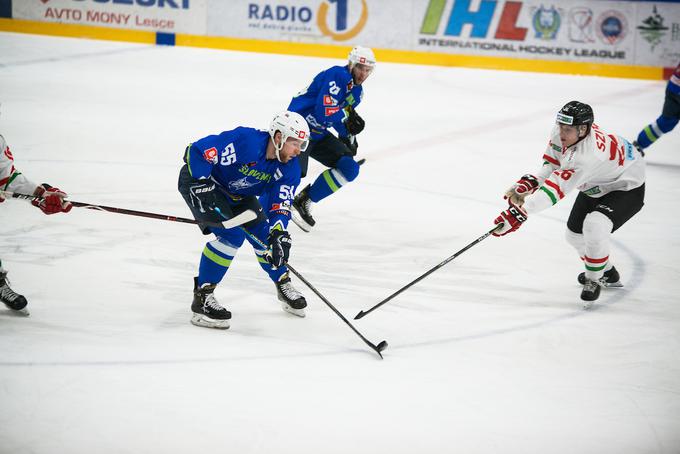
575, 113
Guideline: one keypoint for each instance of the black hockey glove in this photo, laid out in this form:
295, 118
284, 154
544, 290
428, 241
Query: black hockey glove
354, 123
279, 248
203, 195
351, 143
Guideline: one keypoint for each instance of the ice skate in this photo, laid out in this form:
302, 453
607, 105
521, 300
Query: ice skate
207, 312
292, 301
10, 298
590, 293
302, 210
610, 279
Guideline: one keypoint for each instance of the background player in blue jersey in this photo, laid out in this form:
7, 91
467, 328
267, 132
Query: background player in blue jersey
330, 102
223, 176
670, 115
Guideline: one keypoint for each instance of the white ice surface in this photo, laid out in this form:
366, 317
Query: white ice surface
490, 354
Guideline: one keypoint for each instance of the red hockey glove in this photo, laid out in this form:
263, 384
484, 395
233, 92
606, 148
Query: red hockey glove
512, 219
52, 200
525, 186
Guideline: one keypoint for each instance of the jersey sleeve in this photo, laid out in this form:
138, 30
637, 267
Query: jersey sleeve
201, 156
280, 197
10, 178
561, 181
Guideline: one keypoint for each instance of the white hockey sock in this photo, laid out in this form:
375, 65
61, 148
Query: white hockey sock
597, 230
576, 240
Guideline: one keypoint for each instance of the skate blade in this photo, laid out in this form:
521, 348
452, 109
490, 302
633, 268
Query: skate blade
587, 305
612, 285
300, 222
19, 313
290, 310
207, 322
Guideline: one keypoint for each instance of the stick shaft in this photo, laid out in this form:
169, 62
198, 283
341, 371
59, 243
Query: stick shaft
427, 273
164, 217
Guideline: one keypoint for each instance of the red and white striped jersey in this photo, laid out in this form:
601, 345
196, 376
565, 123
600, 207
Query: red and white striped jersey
10, 178
597, 165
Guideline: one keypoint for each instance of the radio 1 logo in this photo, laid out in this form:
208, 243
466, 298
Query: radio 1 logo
339, 20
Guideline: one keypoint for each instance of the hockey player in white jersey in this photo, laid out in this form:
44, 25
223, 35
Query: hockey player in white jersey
609, 174
12, 180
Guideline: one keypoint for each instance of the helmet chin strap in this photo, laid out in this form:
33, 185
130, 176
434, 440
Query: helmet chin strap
278, 148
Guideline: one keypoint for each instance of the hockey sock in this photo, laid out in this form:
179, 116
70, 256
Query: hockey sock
596, 234
652, 132
215, 261
576, 240
331, 180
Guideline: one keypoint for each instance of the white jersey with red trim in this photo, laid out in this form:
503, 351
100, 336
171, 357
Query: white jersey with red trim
10, 178
597, 165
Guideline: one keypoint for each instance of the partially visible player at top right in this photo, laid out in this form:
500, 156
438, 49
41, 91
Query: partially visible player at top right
670, 115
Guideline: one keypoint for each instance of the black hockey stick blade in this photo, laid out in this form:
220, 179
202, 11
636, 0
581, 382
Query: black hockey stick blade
361, 161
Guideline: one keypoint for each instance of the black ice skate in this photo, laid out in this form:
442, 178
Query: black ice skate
292, 301
610, 279
302, 210
591, 292
10, 298
207, 311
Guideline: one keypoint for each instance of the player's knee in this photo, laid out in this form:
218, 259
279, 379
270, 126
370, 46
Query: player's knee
666, 124
229, 239
348, 167
596, 226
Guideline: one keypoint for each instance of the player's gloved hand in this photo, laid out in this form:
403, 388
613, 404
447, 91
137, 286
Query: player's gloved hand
52, 200
279, 248
525, 186
351, 143
354, 123
512, 219
203, 195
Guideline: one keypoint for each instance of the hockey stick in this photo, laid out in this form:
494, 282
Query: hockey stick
430, 271
236, 221
377, 348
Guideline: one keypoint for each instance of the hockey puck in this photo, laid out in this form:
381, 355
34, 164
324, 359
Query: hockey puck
381, 346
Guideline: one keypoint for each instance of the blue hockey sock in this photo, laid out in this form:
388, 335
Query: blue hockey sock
652, 132
215, 261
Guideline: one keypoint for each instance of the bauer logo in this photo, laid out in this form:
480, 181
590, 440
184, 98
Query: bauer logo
339, 20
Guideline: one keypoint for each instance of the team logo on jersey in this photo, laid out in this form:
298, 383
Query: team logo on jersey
210, 155
328, 100
242, 183
278, 175
331, 110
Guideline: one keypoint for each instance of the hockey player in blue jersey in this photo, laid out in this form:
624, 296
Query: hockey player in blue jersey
330, 101
670, 115
223, 176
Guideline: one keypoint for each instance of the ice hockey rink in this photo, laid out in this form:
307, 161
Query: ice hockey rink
490, 354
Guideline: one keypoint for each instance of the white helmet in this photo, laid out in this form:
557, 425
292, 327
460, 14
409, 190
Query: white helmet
290, 124
362, 55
